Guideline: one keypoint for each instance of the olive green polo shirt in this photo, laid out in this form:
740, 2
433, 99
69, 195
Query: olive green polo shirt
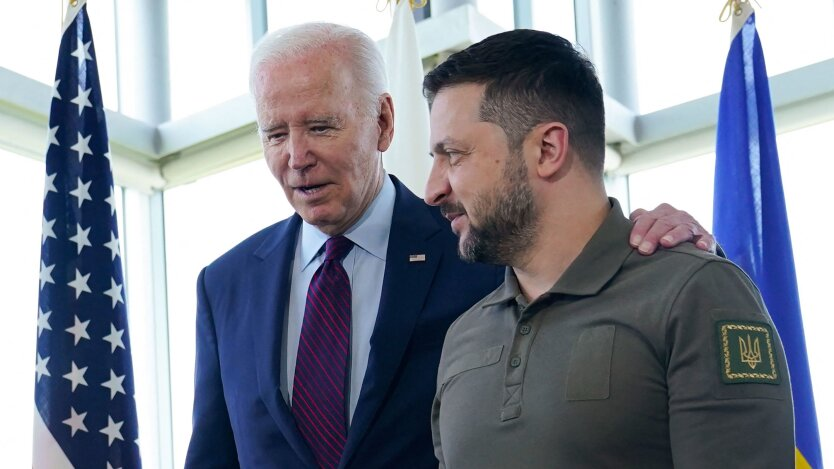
659, 361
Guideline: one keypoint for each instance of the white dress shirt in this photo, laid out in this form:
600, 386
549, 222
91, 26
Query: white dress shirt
365, 266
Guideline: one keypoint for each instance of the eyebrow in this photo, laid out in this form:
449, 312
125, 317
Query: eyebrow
328, 120
334, 121
440, 147
270, 129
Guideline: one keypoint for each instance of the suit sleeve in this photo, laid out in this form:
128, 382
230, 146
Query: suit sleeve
724, 412
212, 441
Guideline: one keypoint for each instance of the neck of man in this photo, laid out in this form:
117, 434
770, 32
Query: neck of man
375, 185
570, 214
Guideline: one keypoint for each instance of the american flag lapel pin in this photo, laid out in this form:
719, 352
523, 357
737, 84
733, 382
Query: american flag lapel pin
417, 258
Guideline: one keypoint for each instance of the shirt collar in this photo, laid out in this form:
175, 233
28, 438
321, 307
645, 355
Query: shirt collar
597, 263
370, 233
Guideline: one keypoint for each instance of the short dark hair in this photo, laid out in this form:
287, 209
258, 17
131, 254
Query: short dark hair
531, 77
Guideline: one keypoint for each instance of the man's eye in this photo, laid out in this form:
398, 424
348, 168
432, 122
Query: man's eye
320, 129
276, 137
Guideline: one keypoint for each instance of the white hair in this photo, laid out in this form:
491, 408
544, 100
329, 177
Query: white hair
359, 52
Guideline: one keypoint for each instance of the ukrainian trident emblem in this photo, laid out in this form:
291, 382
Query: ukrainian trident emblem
750, 351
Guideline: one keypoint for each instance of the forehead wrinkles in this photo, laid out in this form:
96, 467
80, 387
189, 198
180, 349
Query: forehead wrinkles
304, 104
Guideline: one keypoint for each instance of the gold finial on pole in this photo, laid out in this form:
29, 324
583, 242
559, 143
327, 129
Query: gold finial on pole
733, 8
414, 4
73, 3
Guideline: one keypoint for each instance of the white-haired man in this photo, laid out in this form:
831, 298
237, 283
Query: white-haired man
319, 337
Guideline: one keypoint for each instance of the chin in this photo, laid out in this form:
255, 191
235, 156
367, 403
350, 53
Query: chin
465, 251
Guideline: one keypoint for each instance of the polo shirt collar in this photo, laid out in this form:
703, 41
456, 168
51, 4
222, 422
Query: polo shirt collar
597, 263
370, 233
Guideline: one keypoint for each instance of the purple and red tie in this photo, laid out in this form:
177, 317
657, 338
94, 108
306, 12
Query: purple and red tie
319, 402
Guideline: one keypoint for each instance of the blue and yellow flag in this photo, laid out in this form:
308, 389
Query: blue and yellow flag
750, 219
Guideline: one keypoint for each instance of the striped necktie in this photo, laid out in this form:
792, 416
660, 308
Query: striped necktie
319, 396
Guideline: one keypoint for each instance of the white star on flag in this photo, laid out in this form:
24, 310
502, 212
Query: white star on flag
81, 238
83, 99
114, 384
53, 136
115, 338
40, 367
55, 93
80, 283
46, 229
111, 200
76, 421
115, 292
46, 274
82, 192
82, 51
112, 430
43, 321
76, 376
113, 246
50, 184
79, 330
82, 146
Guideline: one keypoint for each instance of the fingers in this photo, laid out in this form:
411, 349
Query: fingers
637, 213
667, 226
644, 222
678, 234
690, 231
663, 228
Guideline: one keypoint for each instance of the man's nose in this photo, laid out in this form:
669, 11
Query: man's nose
298, 151
437, 187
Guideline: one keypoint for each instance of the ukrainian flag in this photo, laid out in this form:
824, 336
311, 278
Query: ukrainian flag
750, 219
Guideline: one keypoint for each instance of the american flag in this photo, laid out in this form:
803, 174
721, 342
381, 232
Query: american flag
84, 391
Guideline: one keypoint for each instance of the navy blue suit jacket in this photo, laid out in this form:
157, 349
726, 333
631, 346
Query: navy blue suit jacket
240, 417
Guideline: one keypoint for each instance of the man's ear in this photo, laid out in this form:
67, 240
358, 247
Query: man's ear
551, 139
385, 121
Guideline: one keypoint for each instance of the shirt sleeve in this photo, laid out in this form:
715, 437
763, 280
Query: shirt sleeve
729, 390
435, 409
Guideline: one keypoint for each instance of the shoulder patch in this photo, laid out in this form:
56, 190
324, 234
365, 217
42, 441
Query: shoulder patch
746, 353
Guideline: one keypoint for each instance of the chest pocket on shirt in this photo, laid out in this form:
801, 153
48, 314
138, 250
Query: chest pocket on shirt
589, 374
473, 360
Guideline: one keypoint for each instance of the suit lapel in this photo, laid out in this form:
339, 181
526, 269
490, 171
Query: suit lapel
404, 288
269, 295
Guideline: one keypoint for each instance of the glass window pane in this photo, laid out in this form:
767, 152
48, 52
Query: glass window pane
499, 12
209, 43
21, 190
681, 47
807, 163
556, 17
687, 185
363, 16
103, 18
31, 34
202, 221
